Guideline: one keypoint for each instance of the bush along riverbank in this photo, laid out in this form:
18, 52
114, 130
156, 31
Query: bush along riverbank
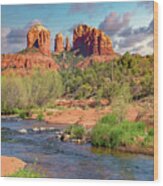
111, 133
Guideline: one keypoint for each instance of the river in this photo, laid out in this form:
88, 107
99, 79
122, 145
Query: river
67, 160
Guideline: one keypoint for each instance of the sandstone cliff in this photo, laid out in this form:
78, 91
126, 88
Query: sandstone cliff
39, 37
91, 41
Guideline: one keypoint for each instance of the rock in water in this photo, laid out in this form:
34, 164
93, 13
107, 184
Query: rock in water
68, 46
23, 131
91, 41
39, 37
59, 45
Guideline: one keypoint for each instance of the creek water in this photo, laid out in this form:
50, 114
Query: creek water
67, 160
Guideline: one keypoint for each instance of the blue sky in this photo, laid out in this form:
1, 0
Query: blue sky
125, 22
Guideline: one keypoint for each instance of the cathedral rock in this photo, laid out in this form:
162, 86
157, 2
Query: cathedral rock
91, 41
39, 37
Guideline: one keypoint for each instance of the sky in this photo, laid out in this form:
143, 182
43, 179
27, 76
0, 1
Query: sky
129, 24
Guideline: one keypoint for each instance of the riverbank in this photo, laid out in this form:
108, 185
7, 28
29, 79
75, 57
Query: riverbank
56, 159
72, 113
11, 165
88, 119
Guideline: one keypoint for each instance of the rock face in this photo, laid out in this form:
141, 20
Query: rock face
68, 46
59, 44
24, 63
39, 37
91, 41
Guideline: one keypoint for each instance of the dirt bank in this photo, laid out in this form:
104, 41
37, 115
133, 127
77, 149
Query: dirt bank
87, 118
10, 165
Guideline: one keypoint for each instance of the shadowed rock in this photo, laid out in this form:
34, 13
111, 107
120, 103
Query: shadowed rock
91, 41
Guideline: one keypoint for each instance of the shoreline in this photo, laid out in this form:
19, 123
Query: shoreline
130, 149
10, 165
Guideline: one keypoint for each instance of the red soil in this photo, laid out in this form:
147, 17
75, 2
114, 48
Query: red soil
10, 165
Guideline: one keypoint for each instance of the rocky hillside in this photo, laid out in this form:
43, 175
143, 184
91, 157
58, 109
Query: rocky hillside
26, 61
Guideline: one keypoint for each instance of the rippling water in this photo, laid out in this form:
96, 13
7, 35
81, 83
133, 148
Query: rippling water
67, 160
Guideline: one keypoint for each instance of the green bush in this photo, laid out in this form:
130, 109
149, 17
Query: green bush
40, 117
32, 91
76, 131
112, 134
104, 80
23, 115
109, 119
26, 173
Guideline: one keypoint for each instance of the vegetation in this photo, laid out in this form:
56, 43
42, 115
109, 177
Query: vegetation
75, 131
27, 50
30, 91
105, 80
108, 132
40, 116
27, 173
68, 59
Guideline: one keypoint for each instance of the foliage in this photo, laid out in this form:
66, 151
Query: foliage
76, 131
67, 58
120, 101
32, 50
40, 116
127, 78
109, 119
104, 80
111, 134
30, 91
23, 114
27, 173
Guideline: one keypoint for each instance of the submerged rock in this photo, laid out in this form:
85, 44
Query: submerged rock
23, 131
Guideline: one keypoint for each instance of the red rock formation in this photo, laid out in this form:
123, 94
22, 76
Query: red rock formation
39, 37
26, 62
68, 46
59, 46
91, 41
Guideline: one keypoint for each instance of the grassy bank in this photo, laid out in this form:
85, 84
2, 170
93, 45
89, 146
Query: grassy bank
27, 173
108, 132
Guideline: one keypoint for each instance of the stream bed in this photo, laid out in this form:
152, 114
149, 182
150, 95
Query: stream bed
68, 160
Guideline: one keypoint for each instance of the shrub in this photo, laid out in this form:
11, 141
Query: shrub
121, 99
13, 94
76, 131
27, 173
103, 80
112, 134
40, 117
23, 115
27, 92
109, 119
